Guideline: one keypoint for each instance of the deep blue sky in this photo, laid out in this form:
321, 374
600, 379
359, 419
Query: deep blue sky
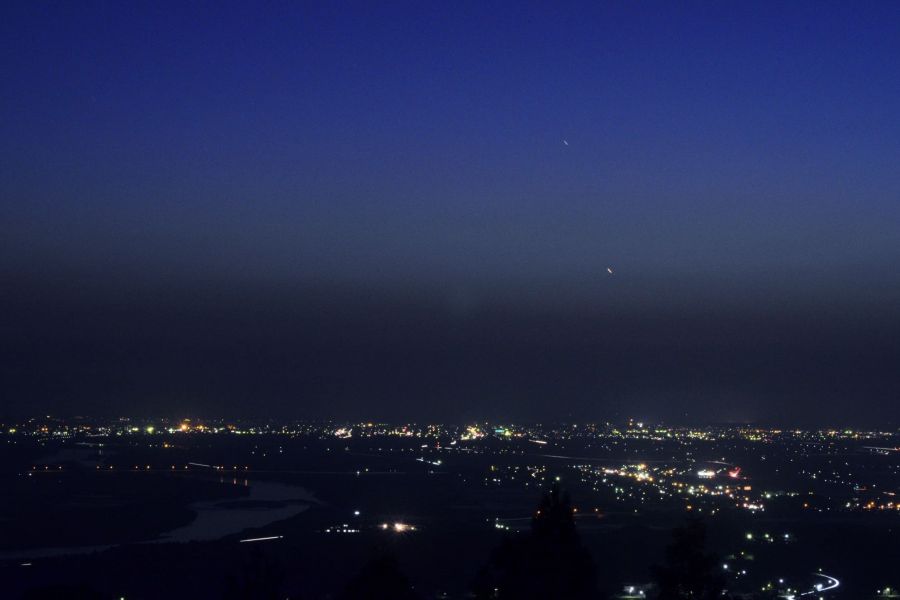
408, 209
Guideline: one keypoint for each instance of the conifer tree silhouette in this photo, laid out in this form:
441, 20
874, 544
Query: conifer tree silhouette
549, 564
379, 579
689, 571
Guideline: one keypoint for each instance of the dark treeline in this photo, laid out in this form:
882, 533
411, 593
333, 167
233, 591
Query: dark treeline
550, 562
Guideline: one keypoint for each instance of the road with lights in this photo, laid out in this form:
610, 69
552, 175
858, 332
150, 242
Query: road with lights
833, 583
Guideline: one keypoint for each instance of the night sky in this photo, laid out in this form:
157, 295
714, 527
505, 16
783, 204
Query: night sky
407, 210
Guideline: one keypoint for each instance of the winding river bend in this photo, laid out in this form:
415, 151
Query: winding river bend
266, 503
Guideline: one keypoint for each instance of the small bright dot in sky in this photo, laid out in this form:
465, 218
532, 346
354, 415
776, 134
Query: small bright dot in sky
609, 270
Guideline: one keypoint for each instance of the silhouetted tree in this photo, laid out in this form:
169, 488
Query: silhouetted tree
380, 579
689, 571
549, 564
260, 578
